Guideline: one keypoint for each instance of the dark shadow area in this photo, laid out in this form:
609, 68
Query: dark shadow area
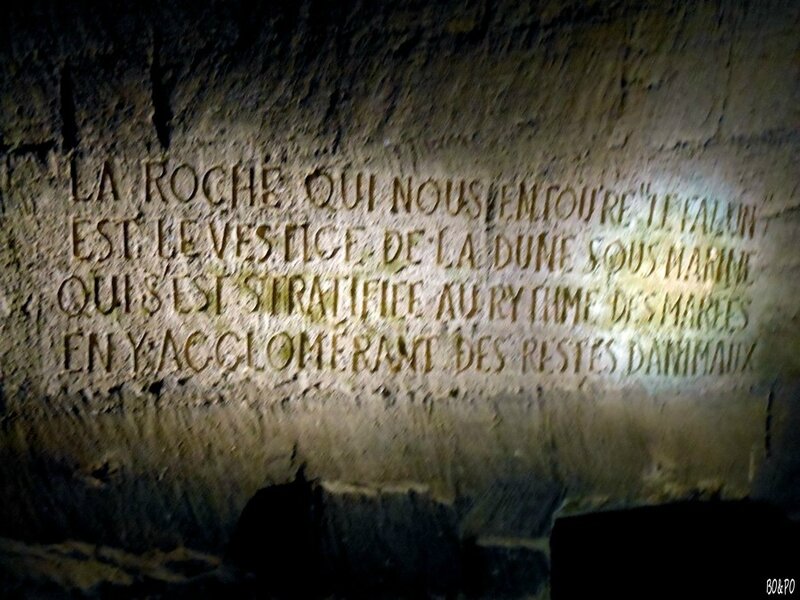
277, 539
303, 540
503, 570
391, 544
684, 550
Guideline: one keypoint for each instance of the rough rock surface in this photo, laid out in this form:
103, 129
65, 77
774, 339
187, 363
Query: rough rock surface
183, 185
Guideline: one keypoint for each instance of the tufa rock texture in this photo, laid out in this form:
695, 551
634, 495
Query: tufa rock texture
471, 266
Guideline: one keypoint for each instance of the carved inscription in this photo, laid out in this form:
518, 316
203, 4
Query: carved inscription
252, 270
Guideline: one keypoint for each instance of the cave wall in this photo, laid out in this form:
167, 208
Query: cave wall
145, 140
